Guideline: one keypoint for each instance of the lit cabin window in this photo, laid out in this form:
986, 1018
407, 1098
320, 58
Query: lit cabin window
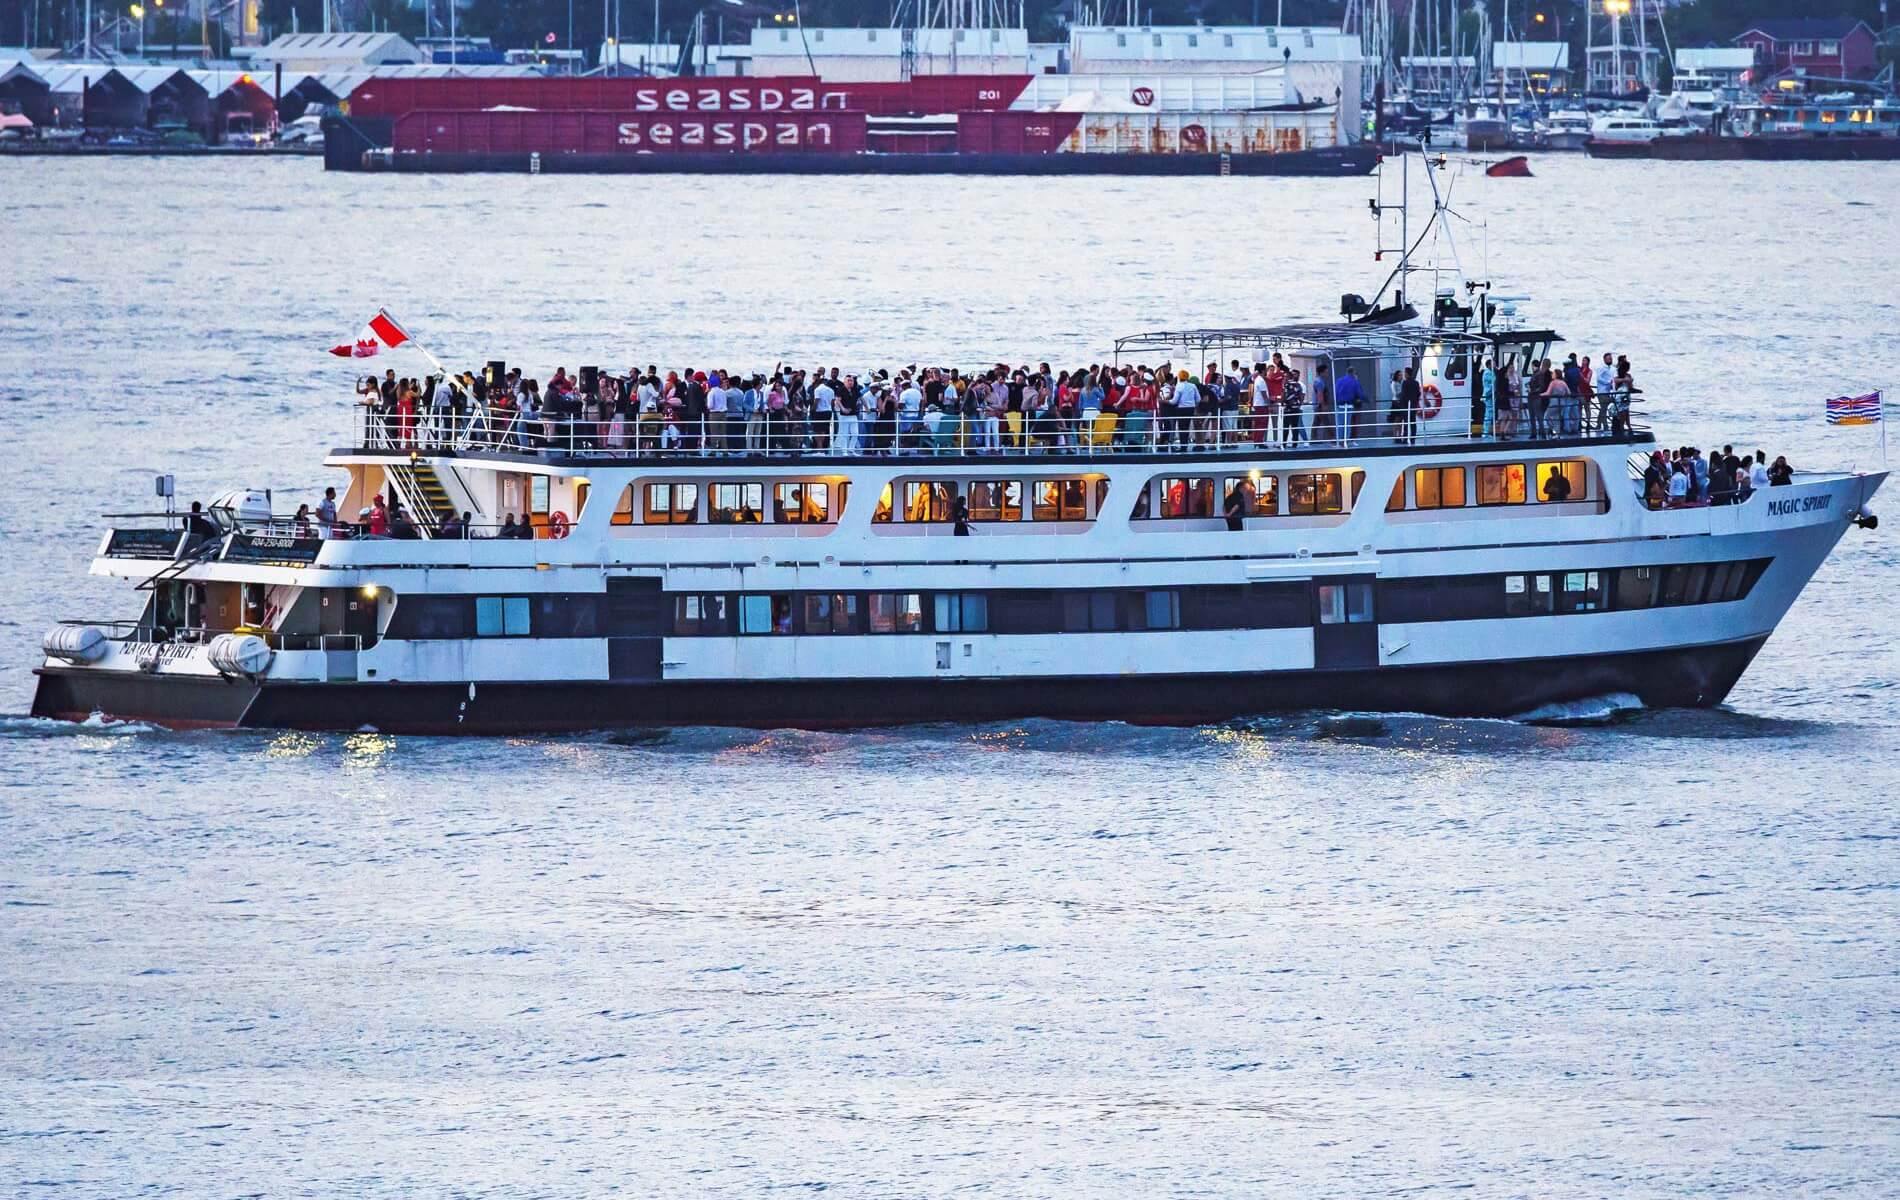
1439, 487
1061, 500
1260, 493
1558, 481
929, 499
996, 500
1501, 483
1311, 495
896, 612
882, 513
736, 503
1396, 501
672, 503
623, 507
1183, 497
801, 503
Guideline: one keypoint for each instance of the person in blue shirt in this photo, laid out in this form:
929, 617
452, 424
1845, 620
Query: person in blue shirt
1347, 395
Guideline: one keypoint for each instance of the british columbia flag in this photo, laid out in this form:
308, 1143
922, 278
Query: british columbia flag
1854, 410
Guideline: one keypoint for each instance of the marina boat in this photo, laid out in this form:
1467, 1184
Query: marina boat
1113, 569
1567, 129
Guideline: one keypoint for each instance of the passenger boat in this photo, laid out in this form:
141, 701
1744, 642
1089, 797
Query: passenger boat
1446, 570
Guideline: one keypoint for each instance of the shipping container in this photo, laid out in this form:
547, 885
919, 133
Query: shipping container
1156, 93
603, 133
790, 93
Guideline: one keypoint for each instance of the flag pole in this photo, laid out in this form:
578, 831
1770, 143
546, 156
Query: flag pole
433, 360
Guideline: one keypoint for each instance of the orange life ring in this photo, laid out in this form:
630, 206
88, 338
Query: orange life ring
1431, 402
557, 525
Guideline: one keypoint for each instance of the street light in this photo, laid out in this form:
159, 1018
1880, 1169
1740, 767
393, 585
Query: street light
138, 13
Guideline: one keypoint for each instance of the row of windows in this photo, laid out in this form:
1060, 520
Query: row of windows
1121, 610
1495, 484
732, 504
1308, 494
935, 500
1278, 605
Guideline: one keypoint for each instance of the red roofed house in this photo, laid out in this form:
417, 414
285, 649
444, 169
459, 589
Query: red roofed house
1834, 48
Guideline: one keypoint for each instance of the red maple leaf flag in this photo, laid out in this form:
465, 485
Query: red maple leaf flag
381, 333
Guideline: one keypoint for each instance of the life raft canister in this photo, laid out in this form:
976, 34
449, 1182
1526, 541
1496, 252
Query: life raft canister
1431, 402
557, 524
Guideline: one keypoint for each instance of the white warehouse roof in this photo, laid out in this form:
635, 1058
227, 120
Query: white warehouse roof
1530, 56
1215, 43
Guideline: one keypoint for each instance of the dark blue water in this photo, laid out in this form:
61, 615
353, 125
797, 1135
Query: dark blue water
1649, 957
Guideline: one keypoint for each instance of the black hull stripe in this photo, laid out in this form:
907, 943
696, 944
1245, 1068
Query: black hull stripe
1685, 677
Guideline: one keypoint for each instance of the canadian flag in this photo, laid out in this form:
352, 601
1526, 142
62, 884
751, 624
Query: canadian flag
382, 333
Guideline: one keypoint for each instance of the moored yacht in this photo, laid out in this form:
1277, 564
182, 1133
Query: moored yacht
1440, 571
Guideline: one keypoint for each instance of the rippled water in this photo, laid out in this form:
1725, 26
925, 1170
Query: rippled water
1306, 956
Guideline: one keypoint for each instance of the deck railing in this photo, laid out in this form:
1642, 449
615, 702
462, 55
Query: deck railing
1608, 416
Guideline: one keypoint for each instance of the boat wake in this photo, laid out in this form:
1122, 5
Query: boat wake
1590, 710
22, 725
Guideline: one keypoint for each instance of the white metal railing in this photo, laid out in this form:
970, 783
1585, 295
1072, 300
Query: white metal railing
1607, 416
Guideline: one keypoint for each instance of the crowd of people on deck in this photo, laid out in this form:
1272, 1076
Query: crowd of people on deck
1686, 478
924, 409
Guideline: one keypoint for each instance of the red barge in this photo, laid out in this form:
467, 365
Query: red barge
948, 124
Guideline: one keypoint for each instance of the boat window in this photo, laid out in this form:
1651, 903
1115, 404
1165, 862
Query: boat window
672, 503
765, 613
695, 614
929, 499
623, 507
1636, 587
1345, 603
1262, 494
736, 503
1088, 612
1396, 501
538, 493
801, 503
1501, 483
831, 612
996, 500
501, 616
961, 612
882, 513
1572, 481
1154, 610
896, 612
1526, 595
1439, 487
1182, 497
1313, 495
1060, 500
1580, 591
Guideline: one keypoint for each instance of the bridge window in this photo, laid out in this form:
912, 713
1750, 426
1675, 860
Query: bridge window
1501, 483
801, 503
672, 503
1187, 497
896, 612
1314, 495
996, 500
736, 503
1438, 487
1563, 481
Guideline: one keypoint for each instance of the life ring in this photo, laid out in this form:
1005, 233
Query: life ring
557, 525
1431, 402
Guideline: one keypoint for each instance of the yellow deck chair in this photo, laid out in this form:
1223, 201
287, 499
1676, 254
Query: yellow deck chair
1104, 432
